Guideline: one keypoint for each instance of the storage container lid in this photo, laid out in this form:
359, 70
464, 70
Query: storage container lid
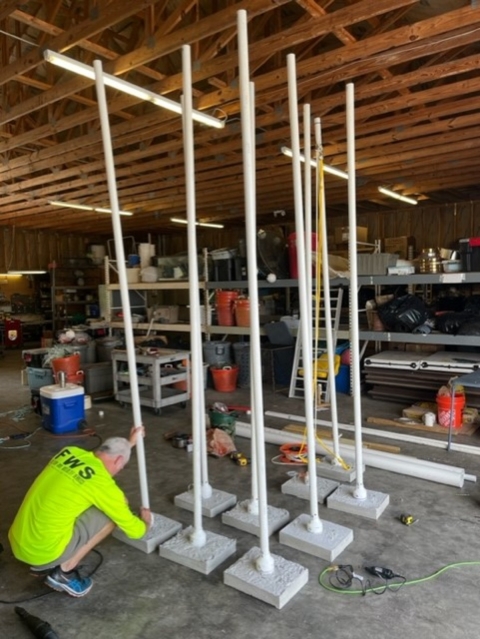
55, 391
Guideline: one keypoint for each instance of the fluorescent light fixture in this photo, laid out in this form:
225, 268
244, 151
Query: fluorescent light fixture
126, 87
211, 225
26, 272
84, 207
397, 196
326, 167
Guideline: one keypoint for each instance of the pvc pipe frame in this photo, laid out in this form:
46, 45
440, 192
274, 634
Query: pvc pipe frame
431, 471
359, 491
198, 536
122, 276
265, 562
314, 525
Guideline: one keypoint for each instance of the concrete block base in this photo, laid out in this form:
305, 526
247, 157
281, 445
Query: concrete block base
163, 528
298, 487
334, 471
327, 544
276, 588
239, 517
204, 558
372, 506
211, 507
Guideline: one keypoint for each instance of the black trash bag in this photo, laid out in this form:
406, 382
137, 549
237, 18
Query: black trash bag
450, 323
403, 314
472, 304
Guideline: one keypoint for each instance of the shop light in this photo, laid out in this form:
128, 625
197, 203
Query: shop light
397, 196
26, 272
211, 225
127, 87
84, 207
326, 167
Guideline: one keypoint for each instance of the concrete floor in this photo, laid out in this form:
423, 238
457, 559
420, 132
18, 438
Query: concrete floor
144, 596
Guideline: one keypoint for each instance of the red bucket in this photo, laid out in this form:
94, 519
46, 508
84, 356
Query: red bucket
69, 365
242, 311
225, 378
448, 412
225, 307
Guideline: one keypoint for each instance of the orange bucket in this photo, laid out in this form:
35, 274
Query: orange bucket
69, 365
446, 412
225, 307
242, 311
225, 378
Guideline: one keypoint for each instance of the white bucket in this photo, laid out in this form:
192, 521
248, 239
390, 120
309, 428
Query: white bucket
97, 252
133, 275
146, 252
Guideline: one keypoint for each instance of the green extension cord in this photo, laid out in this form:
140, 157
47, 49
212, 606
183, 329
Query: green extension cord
392, 586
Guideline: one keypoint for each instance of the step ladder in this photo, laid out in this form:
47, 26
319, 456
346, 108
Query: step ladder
297, 380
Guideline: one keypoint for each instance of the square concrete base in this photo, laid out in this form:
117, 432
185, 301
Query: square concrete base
217, 503
200, 558
298, 487
371, 507
327, 544
337, 472
239, 517
276, 588
163, 528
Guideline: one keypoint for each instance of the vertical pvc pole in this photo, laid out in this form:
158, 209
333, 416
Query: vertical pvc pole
308, 206
198, 536
359, 491
122, 276
253, 503
326, 292
265, 562
315, 525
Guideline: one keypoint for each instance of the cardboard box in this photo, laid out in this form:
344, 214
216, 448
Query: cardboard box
400, 245
341, 234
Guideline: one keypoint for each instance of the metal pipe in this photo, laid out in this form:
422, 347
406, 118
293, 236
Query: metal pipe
360, 491
314, 525
198, 536
265, 562
401, 464
122, 277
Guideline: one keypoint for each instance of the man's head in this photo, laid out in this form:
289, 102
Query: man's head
114, 453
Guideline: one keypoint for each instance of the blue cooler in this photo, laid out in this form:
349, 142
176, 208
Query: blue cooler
63, 409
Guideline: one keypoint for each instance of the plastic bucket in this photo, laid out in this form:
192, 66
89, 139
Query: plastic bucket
217, 353
225, 378
69, 365
242, 311
292, 254
224, 305
446, 412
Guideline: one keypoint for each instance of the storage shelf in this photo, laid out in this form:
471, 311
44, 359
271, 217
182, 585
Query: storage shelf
417, 338
156, 286
244, 284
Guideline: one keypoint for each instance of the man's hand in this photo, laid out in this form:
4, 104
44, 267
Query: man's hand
136, 431
146, 516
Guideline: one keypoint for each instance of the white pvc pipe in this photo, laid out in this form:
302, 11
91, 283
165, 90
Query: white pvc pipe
326, 294
198, 536
265, 562
253, 508
122, 276
360, 491
401, 464
307, 152
414, 439
314, 525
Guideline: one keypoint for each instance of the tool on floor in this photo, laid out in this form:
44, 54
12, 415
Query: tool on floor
408, 520
40, 628
239, 458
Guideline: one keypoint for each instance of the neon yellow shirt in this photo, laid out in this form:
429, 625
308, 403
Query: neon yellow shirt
73, 480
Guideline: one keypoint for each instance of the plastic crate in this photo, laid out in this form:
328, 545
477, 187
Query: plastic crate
38, 377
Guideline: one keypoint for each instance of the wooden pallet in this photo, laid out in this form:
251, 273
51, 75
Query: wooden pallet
327, 434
